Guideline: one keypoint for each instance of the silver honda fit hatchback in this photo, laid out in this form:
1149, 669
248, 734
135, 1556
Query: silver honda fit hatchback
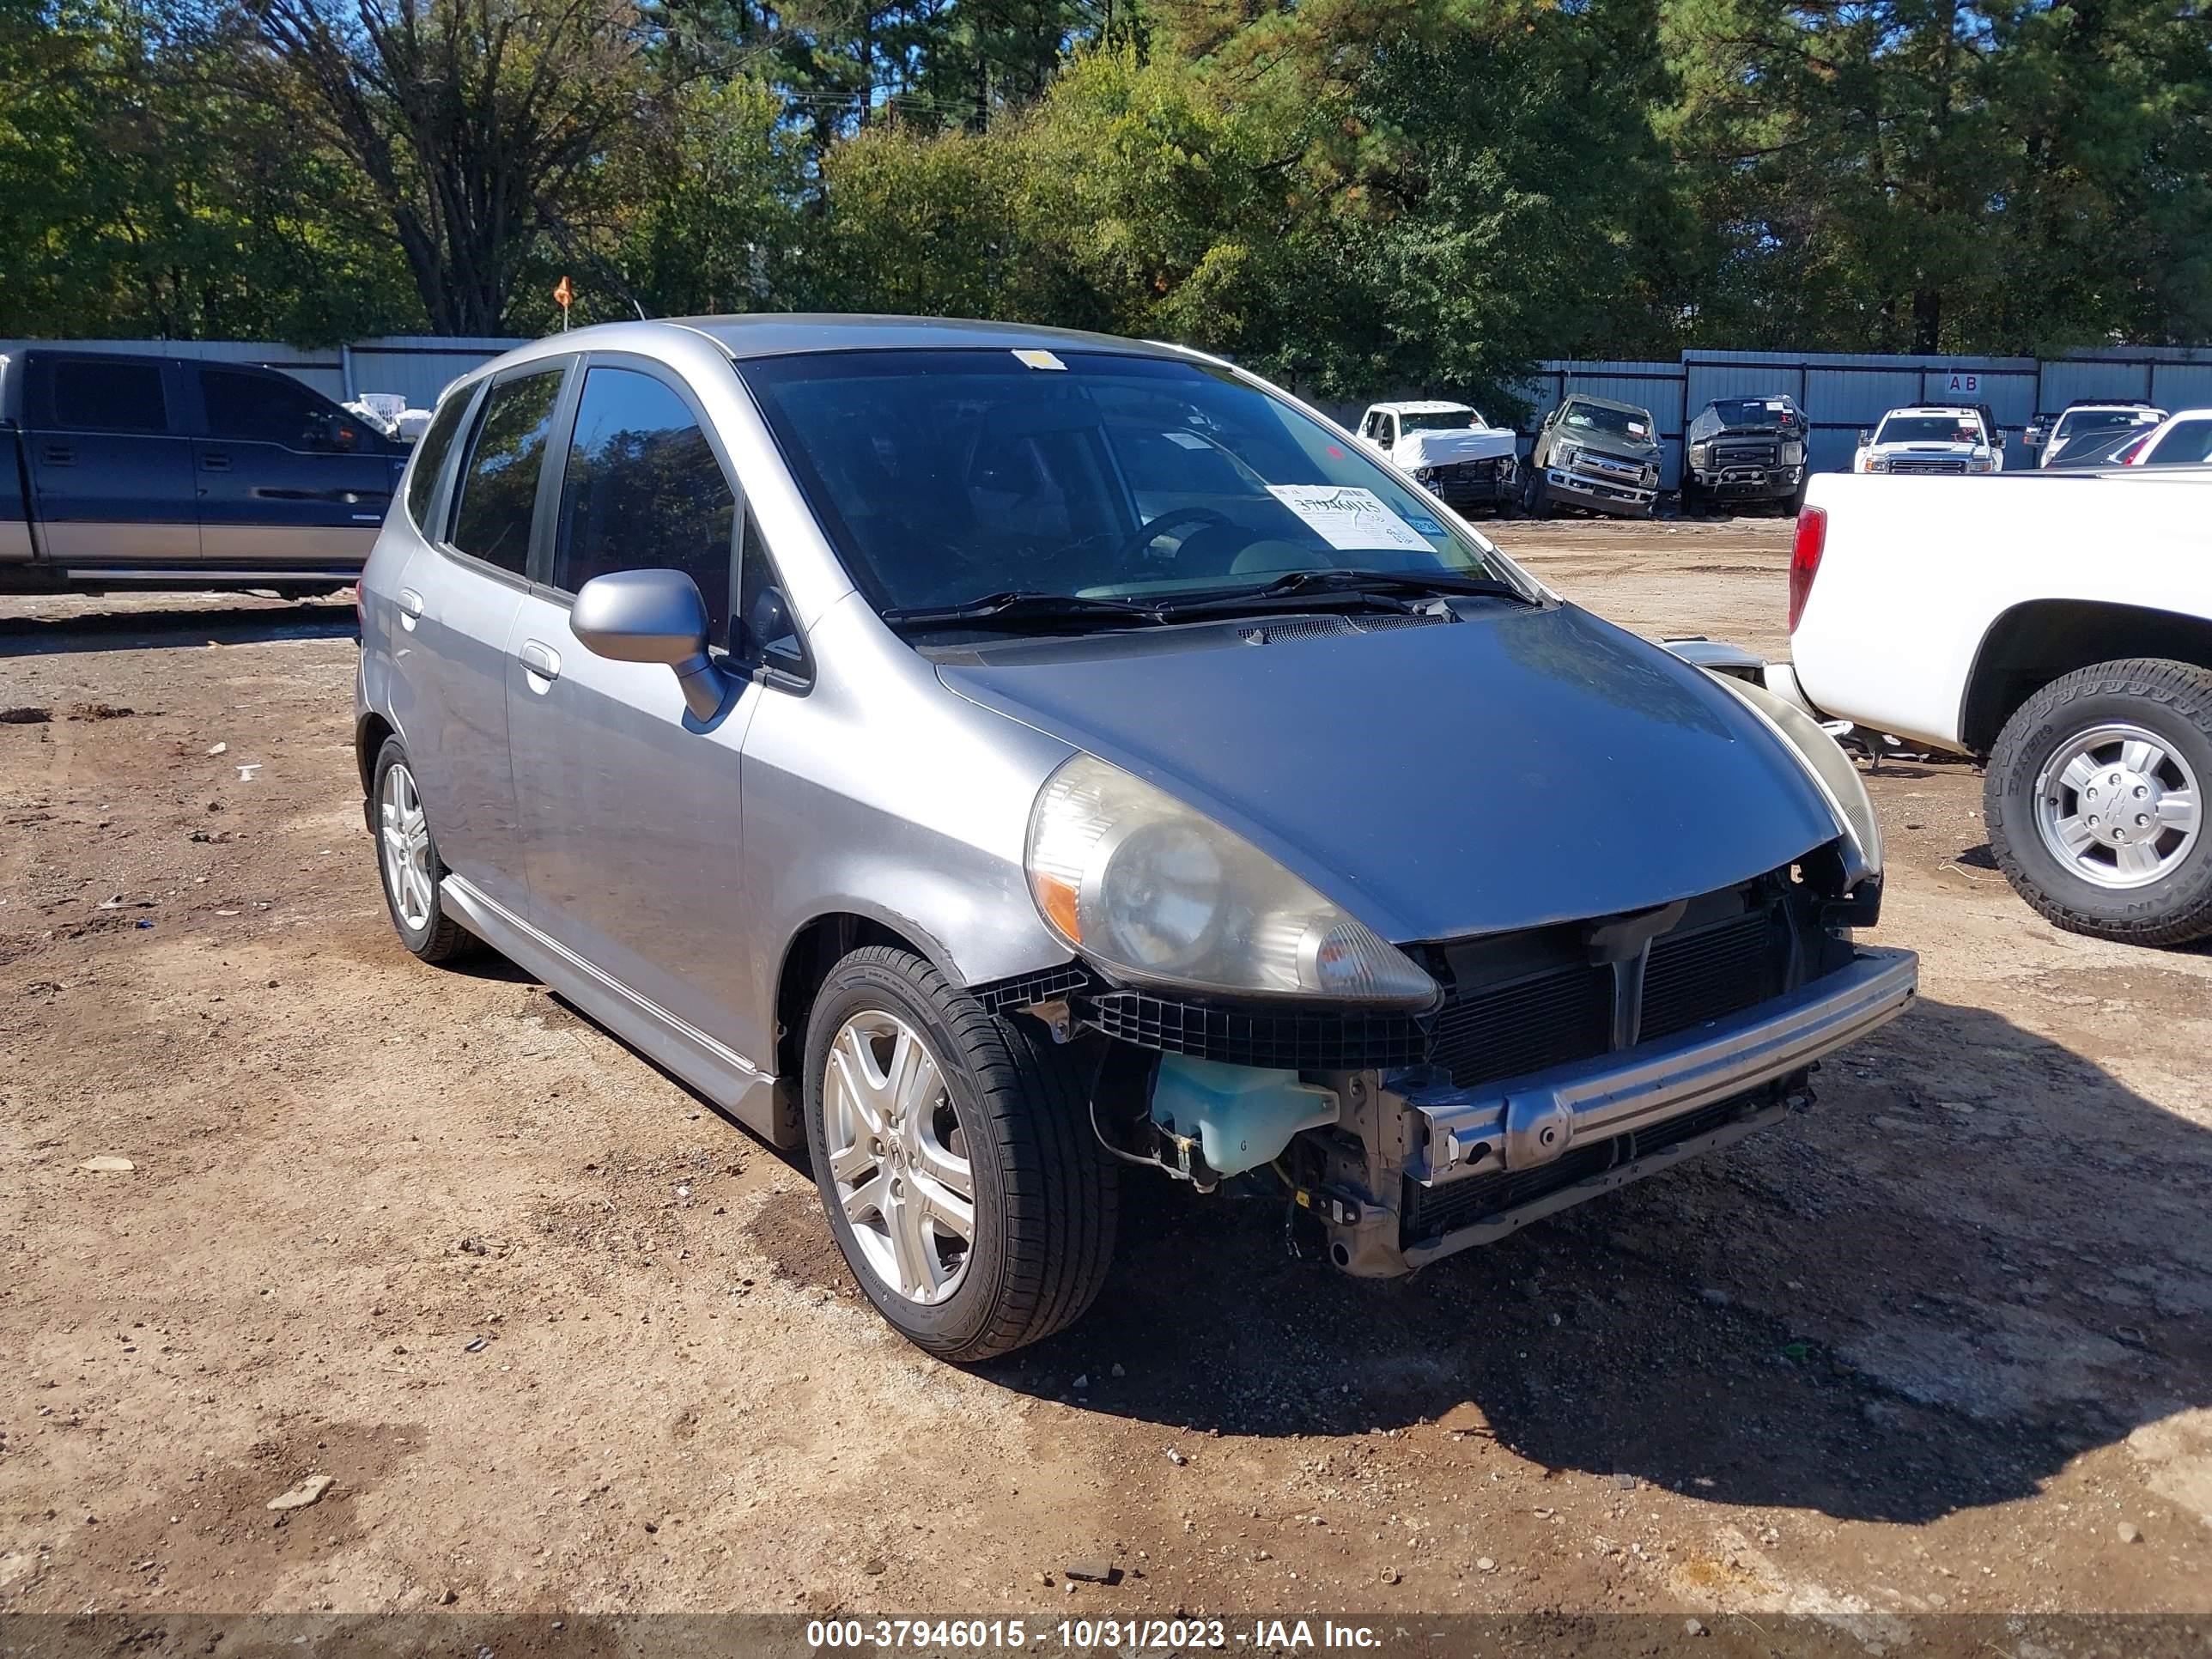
996, 757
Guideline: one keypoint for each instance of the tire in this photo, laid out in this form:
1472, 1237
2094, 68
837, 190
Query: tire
417, 917
1010, 1112
1535, 499
2155, 890
1695, 503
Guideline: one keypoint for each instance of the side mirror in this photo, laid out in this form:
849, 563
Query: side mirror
652, 616
1863, 434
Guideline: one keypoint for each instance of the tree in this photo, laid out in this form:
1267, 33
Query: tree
474, 126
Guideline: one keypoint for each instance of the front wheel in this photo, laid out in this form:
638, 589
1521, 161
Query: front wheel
1535, 498
2095, 804
953, 1151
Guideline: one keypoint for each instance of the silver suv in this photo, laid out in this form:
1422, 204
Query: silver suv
996, 757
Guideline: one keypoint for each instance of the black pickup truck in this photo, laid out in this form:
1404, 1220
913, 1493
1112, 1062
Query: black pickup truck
1744, 451
127, 471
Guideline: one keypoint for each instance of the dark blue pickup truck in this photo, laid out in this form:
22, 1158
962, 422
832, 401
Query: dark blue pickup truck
126, 472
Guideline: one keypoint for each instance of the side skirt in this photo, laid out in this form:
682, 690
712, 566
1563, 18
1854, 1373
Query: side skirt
720, 1073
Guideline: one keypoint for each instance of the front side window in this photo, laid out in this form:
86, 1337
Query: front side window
272, 409
430, 457
499, 488
119, 396
2188, 443
643, 491
946, 477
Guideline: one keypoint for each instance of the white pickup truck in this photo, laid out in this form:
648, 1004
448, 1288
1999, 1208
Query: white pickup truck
2056, 626
1462, 460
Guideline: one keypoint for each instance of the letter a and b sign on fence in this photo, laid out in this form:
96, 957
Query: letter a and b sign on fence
563, 294
1959, 385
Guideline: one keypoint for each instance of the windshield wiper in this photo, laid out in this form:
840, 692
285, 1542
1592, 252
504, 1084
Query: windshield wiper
1022, 605
1300, 586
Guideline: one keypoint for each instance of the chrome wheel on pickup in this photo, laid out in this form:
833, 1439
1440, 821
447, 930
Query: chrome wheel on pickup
2094, 799
2116, 806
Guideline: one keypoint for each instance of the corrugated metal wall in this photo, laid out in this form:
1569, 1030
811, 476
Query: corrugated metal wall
1840, 394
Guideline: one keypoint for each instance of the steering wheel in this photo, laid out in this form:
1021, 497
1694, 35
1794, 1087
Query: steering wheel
1123, 559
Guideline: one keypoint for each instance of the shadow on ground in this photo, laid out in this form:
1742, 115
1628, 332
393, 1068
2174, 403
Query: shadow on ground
1927, 1294
183, 628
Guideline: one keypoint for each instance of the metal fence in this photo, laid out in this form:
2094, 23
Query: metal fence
1841, 394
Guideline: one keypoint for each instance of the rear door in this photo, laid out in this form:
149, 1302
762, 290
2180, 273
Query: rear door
629, 806
112, 470
286, 478
459, 600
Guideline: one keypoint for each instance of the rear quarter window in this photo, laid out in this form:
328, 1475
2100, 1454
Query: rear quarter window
89, 395
431, 458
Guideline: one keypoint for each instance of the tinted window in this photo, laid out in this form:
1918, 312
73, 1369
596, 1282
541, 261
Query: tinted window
1594, 418
771, 636
430, 457
499, 491
109, 396
643, 491
2188, 443
261, 408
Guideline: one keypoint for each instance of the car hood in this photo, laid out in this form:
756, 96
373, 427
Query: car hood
1449, 448
1518, 768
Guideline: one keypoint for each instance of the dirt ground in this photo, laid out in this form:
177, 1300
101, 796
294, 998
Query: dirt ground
564, 1338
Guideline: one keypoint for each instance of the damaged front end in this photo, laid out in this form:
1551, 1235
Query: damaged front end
1559, 1063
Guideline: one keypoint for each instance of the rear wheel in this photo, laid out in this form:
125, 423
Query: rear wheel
407, 860
2094, 799
955, 1158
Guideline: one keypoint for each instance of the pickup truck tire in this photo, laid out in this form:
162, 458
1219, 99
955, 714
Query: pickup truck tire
2097, 725
1535, 498
1006, 1112
407, 861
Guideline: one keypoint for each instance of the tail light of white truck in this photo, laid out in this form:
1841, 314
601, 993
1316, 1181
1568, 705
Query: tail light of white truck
1805, 550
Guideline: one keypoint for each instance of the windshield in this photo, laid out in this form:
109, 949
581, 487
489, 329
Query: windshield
2079, 423
946, 477
1754, 411
1593, 418
1929, 429
1455, 420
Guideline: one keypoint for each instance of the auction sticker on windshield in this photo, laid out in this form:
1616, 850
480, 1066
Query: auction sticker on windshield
1349, 519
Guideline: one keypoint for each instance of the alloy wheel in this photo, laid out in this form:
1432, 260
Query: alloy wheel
405, 834
2118, 806
898, 1157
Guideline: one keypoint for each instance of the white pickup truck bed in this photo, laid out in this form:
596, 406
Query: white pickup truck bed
2058, 625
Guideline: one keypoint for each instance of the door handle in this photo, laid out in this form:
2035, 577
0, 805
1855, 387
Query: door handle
60, 455
410, 608
542, 660
216, 463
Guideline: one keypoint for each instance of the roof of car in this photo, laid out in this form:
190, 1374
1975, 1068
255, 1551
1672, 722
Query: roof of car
1933, 408
776, 334
2108, 402
1430, 407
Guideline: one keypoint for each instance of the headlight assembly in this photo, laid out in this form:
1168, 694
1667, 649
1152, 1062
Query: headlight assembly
1564, 456
1154, 891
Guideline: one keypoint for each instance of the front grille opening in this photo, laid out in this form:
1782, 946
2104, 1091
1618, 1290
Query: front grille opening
1703, 970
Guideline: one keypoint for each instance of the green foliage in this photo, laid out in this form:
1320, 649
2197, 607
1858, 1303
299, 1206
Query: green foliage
1353, 196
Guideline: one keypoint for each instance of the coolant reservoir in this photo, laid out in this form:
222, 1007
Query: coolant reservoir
1242, 1115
